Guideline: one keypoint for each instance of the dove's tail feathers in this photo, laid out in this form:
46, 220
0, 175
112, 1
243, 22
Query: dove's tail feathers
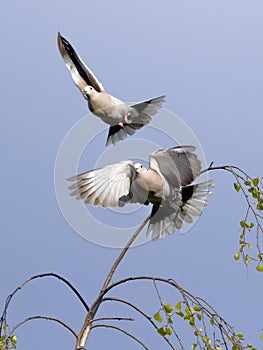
165, 219
117, 133
194, 199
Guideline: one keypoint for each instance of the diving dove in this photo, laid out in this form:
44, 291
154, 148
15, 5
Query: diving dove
166, 184
123, 119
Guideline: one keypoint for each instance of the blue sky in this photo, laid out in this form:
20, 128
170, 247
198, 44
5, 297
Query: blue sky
206, 56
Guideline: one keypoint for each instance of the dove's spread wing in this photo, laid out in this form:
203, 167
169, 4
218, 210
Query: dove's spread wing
104, 186
143, 111
140, 115
178, 165
80, 73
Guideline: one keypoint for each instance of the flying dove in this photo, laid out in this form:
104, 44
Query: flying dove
123, 119
167, 184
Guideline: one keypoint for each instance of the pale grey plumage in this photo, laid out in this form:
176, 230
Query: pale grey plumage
123, 119
166, 184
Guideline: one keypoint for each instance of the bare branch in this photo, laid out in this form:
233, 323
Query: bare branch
83, 336
122, 331
49, 318
112, 319
123, 252
49, 274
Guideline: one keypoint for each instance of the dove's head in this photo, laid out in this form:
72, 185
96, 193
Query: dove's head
139, 168
88, 91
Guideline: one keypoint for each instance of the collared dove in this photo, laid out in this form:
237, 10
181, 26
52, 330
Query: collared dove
166, 184
123, 119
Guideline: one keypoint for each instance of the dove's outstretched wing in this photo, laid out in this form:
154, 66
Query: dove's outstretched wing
104, 186
80, 73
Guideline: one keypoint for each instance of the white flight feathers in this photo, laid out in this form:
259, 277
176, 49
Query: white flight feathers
167, 184
123, 119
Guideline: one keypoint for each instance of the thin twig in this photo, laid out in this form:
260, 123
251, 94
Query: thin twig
210, 314
49, 318
122, 331
83, 336
49, 274
112, 319
123, 252
161, 303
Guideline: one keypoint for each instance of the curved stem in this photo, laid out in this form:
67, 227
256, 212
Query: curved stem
44, 318
123, 252
122, 331
140, 312
49, 274
209, 309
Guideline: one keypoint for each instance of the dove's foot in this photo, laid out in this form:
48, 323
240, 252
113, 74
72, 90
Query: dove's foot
127, 121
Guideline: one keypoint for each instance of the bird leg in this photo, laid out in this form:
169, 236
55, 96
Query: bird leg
127, 121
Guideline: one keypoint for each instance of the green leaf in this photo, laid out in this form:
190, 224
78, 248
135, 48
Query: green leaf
179, 313
260, 206
247, 183
158, 317
259, 268
4, 327
255, 181
199, 316
192, 321
168, 308
237, 256
193, 347
206, 340
212, 321
14, 339
161, 331
178, 306
240, 336
237, 186
197, 308
261, 337
170, 320
168, 331
242, 223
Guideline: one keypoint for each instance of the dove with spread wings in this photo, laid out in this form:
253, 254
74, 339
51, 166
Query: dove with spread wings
166, 184
124, 119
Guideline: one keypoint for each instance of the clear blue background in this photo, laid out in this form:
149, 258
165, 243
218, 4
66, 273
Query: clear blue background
207, 57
